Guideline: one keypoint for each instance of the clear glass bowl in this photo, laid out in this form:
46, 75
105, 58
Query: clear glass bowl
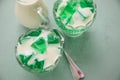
39, 50
74, 17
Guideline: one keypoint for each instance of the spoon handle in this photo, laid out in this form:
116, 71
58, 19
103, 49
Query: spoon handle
76, 71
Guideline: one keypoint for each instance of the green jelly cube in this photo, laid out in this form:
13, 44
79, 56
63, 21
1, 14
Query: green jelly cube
24, 59
53, 38
30, 66
40, 45
67, 12
87, 3
57, 33
39, 64
22, 39
83, 3
32, 33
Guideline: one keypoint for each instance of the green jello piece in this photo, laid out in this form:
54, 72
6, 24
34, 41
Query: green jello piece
40, 45
22, 39
57, 32
53, 38
87, 3
39, 64
73, 3
67, 12
22, 57
36, 65
25, 59
83, 3
30, 66
32, 33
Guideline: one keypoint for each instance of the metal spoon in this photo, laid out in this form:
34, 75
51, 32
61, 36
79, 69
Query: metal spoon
76, 71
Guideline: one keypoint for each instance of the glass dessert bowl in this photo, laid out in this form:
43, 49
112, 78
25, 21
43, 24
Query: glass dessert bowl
74, 16
39, 50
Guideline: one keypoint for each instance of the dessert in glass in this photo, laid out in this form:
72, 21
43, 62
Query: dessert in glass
74, 17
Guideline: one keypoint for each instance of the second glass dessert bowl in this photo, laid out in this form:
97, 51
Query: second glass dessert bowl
74, 16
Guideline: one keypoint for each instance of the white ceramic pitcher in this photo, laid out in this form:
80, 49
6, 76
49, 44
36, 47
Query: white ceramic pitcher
32, 13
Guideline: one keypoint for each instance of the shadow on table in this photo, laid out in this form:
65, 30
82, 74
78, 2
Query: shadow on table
82, 79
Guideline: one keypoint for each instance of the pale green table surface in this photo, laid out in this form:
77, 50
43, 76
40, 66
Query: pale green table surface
97, 51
